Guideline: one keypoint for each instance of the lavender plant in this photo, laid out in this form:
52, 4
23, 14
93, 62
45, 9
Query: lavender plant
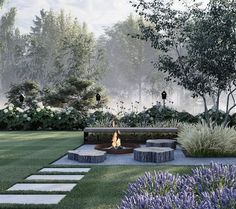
211, 187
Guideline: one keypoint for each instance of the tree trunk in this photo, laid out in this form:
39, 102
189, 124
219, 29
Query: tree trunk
140, 92
206, 111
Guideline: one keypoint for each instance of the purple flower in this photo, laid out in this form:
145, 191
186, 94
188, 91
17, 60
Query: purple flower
211, 187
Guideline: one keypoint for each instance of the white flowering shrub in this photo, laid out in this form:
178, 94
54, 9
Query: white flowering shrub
41, 118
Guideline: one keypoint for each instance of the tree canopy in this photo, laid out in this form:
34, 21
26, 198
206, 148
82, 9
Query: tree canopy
77, 93
203, 41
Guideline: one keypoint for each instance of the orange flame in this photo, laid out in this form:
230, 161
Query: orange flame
116, 142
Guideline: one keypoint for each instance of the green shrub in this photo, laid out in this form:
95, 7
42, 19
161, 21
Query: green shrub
187, 117
100, 119
217, 117
200, 140
41, 118
155, 116
232, 120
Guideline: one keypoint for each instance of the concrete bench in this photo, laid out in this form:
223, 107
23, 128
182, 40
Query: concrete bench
161, 143
94, 156
132, 132
153, 154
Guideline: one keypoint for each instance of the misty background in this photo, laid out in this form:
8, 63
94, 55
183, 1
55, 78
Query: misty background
42, 39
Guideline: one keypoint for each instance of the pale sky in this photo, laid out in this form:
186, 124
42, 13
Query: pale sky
96, 13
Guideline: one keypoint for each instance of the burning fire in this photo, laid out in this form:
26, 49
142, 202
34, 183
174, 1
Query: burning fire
116, 142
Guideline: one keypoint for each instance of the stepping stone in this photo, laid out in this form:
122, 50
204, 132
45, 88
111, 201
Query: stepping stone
161, 143
153, 154
65, 170
30, 199
87, 156
55, 177
42, 187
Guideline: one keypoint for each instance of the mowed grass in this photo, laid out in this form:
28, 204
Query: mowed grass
104, 186
24, 153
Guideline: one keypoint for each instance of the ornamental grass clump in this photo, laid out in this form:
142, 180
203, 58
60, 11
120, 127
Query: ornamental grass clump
211, 188
201, 140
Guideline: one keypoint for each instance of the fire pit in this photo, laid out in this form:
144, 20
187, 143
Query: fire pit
125, 149
116, 147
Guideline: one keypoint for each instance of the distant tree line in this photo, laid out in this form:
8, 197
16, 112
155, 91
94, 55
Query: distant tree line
59, 47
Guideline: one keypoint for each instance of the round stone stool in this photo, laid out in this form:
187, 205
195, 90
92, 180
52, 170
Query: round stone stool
153, 154
161, 143
94, 156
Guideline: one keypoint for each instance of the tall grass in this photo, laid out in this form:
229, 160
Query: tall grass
202, 140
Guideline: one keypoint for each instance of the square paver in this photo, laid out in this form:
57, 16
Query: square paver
65, 170
56, 177
59, 187
30, 199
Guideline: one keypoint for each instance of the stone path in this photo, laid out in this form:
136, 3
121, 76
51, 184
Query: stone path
65, 170
56, 177
30, 199
59, 187
62, 174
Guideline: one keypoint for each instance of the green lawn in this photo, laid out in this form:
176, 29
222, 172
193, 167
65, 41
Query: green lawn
24, 153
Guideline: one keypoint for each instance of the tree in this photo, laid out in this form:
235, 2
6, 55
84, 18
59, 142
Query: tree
58, 47
204, 43
30, 90
73, 92
129, 60
9, 38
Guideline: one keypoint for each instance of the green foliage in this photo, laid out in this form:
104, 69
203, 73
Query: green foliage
200, 140
57, 47
233, 120
41, 118
217, 117
187, 117
9, 46
202, 41
80, 94
30, 89
198, 45
157, 116
100, 119
1, 3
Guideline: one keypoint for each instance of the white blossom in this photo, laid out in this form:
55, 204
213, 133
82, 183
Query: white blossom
19, 109
29, 118
5, 110
10, 108
11, 105
68, 112
25, 115
40, 105
59, 118
51, 115
38, 109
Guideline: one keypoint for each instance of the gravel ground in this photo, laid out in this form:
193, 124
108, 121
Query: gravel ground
127, 159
